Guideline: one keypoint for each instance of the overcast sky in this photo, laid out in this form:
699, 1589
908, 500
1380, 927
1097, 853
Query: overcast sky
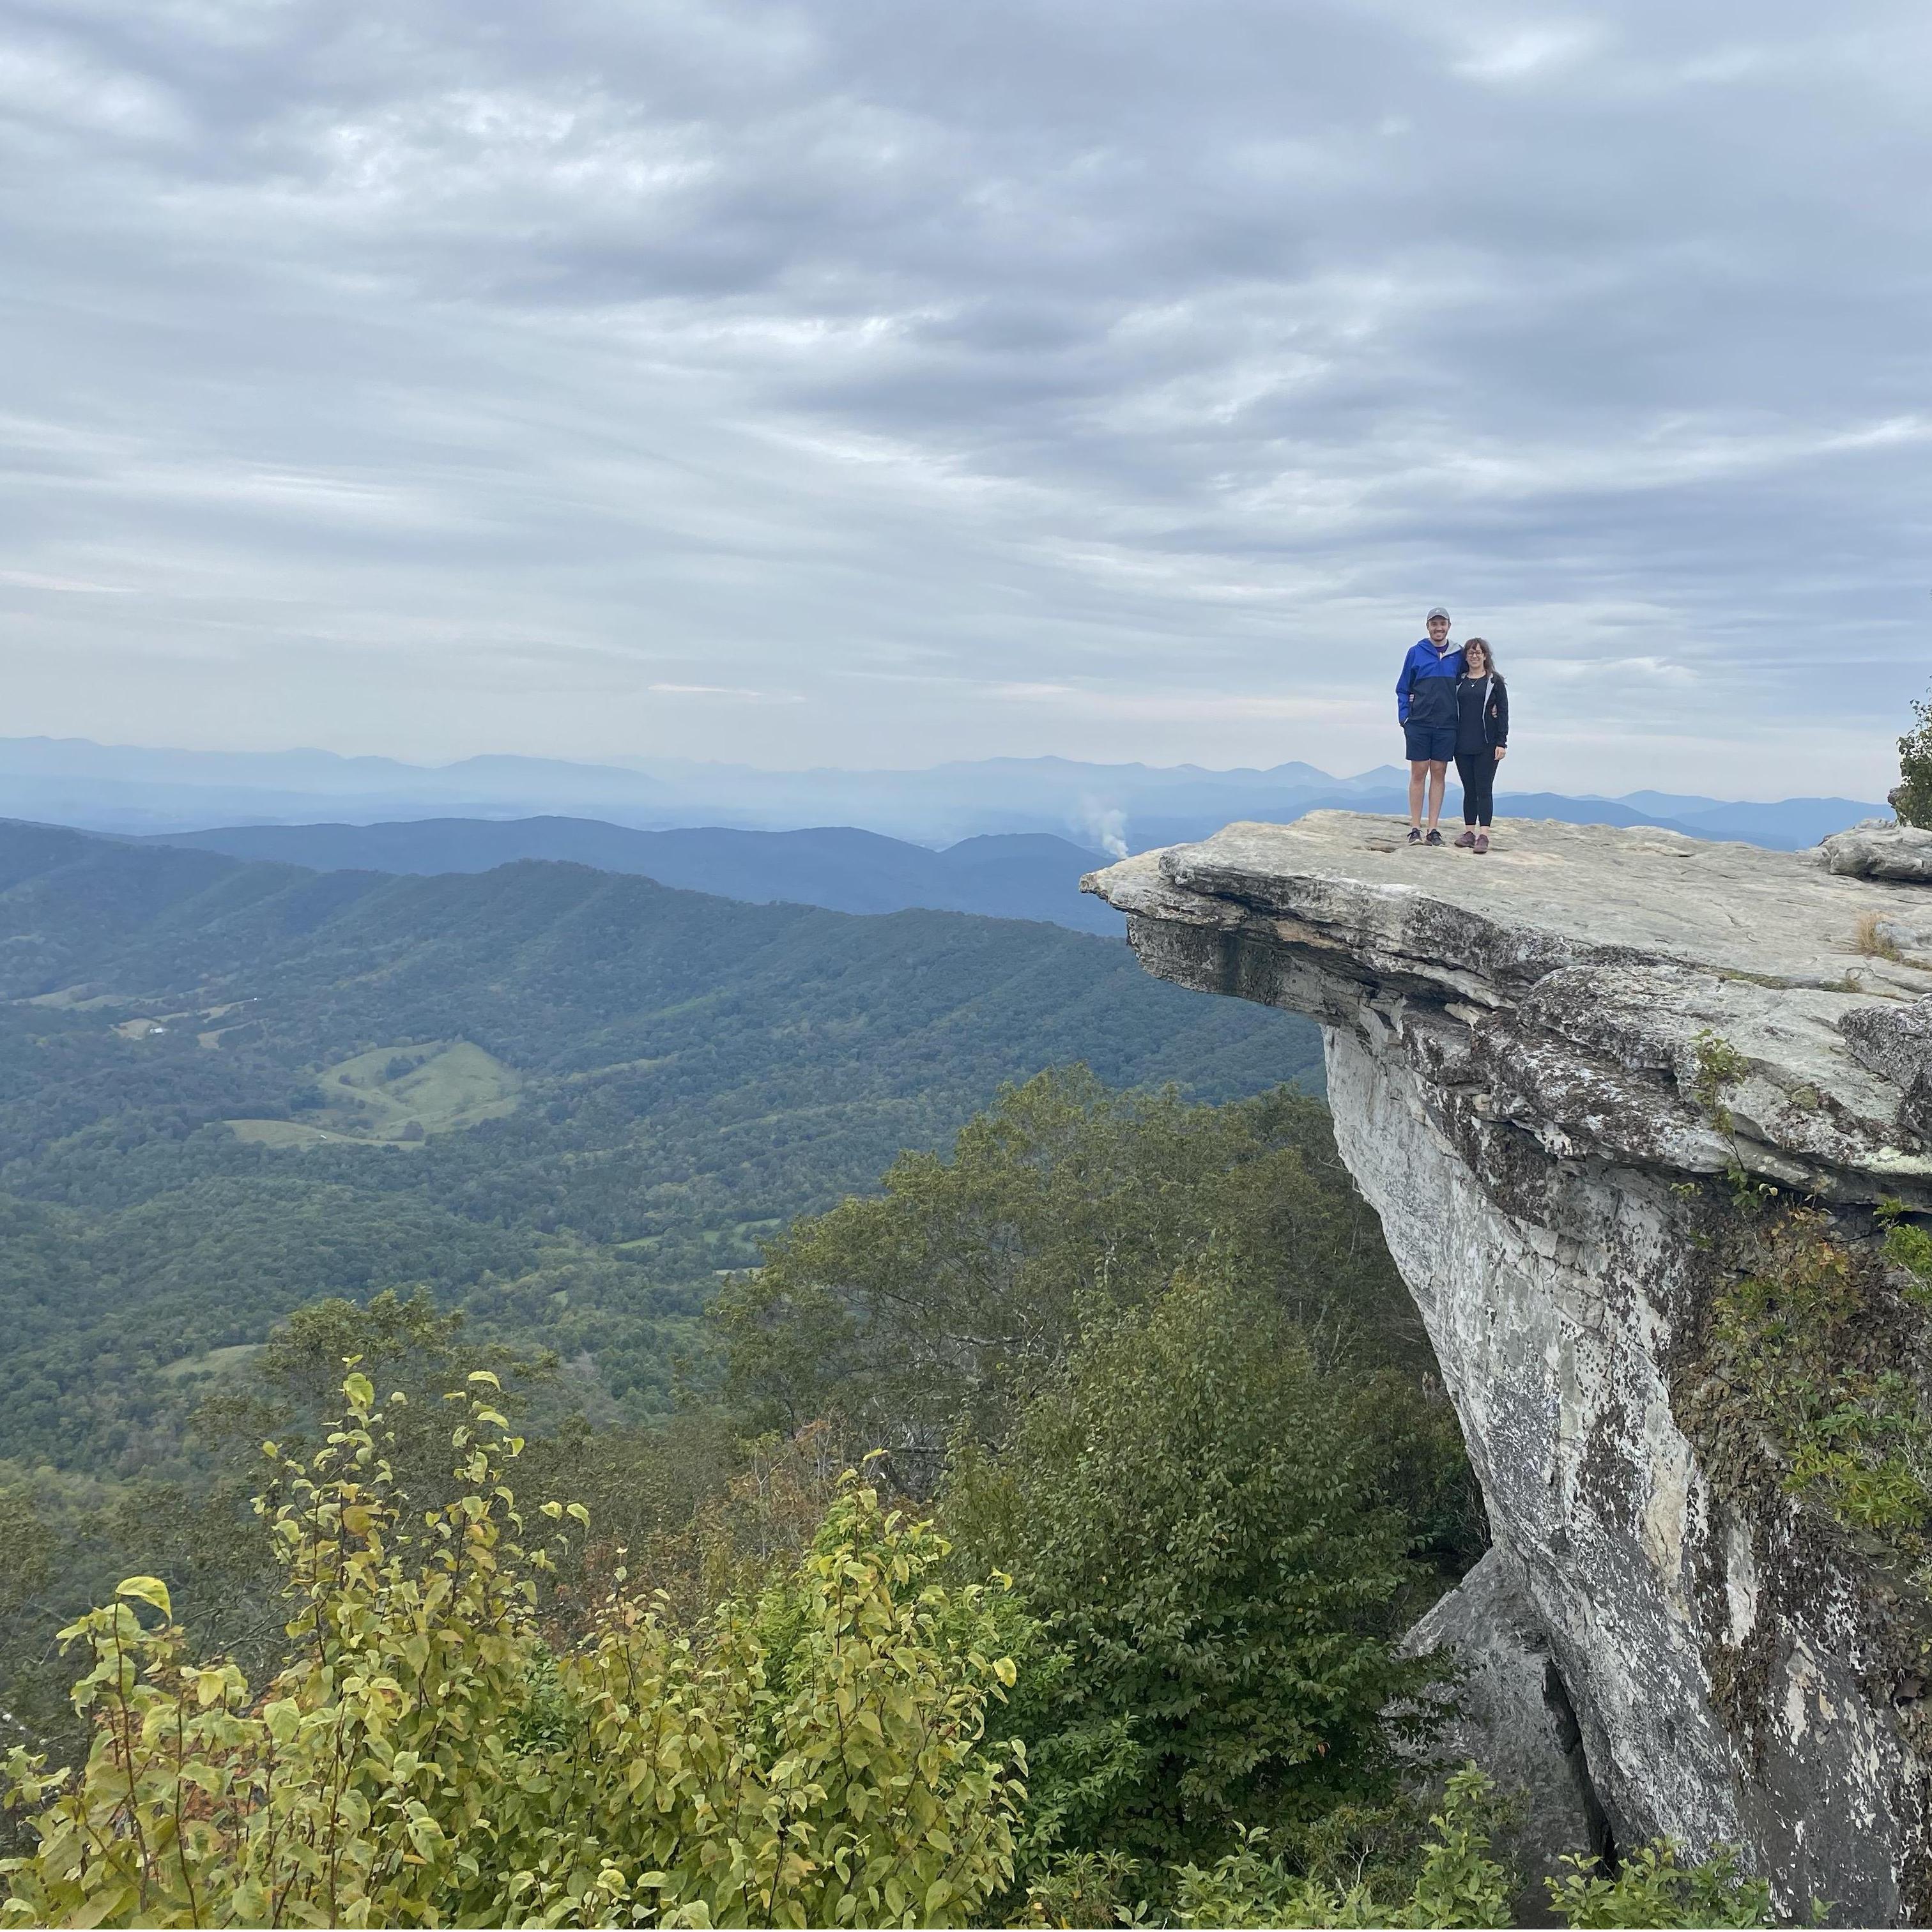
877, 382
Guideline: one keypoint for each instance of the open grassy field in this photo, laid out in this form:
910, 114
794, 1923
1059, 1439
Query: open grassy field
214, 1362
285, 1133
447, 1085
402, 1093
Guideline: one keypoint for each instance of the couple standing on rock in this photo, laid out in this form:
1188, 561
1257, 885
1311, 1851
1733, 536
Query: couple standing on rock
1451, 704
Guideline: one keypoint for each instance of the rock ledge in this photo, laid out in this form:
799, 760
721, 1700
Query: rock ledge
1538, 1059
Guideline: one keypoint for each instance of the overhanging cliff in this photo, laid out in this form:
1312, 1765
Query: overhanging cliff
1644, 1120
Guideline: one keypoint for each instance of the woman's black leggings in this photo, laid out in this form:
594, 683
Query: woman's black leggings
1477, 771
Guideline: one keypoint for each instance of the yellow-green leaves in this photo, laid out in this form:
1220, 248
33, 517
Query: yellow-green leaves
149, 1590
814, 1755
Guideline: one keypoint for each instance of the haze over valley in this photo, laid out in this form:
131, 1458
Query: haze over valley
1101, 807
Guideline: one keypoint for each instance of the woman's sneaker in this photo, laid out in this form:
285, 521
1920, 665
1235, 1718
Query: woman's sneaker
1467, 838
1482, 842
1434, 838
1415, 835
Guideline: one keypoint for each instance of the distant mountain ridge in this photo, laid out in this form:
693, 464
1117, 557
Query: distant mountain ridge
149, 791
1014, 875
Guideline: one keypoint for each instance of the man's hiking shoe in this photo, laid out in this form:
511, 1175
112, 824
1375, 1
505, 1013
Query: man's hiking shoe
1434, 838
1482, 842
1467, 838
1415, 835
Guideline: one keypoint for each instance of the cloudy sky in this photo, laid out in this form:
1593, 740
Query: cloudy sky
877, 382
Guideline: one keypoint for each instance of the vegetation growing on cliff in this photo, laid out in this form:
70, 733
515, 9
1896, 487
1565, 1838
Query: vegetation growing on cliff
1821, 1342
1719, 1067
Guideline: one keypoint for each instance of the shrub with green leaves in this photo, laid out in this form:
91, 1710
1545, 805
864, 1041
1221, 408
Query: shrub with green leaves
1452, 1880
1199, 1515
813, 1754
1458, 1883
1655, 1887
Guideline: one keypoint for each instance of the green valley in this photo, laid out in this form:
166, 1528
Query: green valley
565, 1101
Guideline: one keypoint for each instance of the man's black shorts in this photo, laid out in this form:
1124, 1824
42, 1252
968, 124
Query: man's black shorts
1430, 743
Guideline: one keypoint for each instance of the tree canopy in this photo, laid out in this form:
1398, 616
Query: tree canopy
1205, 1521
954, 1295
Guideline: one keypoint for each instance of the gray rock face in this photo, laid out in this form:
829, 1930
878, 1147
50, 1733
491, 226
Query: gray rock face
1536, 1059
1880, 849
1516, 1719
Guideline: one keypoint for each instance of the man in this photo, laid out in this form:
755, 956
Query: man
1425, 706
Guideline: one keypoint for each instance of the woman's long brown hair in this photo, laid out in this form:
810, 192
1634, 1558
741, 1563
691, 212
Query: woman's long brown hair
1489, 656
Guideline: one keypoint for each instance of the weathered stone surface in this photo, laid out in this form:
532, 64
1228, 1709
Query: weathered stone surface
1515, 1719
1896, 1043
1532, 1057
1880, 848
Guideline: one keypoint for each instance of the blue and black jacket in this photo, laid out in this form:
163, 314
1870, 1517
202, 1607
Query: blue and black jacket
1425, 694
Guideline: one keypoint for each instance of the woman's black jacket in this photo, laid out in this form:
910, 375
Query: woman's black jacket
1496, 713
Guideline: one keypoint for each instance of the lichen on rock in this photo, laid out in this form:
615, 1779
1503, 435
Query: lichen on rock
1648, 1123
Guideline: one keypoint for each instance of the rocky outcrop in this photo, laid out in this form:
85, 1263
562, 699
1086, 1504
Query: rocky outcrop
1878, 848
1579, 1078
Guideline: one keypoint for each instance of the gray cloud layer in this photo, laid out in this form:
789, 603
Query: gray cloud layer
876, 383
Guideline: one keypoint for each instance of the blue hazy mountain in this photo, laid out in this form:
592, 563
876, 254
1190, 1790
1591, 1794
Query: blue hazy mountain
136, 789
1790, 823
141, 788
124, 789
1013, 875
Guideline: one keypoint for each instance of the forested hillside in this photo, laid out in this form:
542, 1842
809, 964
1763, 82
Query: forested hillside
563, 1099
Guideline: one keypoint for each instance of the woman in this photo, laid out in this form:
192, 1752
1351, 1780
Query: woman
1482, 739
